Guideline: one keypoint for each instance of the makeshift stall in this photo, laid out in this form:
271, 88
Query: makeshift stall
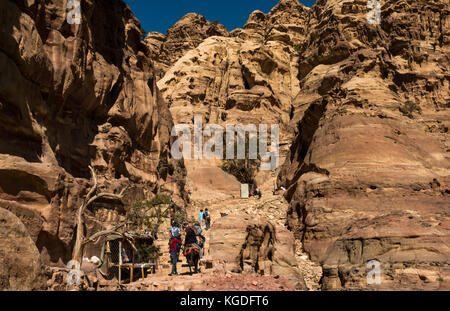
126, 251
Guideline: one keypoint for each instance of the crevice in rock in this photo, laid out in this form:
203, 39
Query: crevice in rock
258, 249
52, 249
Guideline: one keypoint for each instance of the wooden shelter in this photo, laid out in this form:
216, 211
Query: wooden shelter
125, 251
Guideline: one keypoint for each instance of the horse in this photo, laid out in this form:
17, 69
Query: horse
192, 255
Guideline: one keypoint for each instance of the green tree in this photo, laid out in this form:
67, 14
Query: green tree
244, 170
148, 215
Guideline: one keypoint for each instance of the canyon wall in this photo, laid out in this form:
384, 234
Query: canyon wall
368, 174
74, 96
364, 112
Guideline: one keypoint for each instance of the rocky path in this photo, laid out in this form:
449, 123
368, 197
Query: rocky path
271, 207
214, 274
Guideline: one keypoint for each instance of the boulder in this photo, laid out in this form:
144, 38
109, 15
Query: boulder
20, 264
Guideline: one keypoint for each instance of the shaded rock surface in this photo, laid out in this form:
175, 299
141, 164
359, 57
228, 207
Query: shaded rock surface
248, 77
20, 265
363, 112
73, 96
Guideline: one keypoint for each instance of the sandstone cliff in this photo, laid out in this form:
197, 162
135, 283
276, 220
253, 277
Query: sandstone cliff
368, 175
248, 77
185, 35
73, 96
21, 267
364, 109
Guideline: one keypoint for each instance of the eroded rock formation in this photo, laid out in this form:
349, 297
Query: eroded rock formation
248, 77
185, 35
73, 96
368, 175
20, 264
254, 245
364, 109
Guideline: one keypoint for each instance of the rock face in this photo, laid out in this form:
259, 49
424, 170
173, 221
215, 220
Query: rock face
20, 265
73, 96
368, 175
249, 77
363, 111
185, 35
366, 107
254, 245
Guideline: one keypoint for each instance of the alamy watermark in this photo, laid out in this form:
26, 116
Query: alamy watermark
374, 16
74, 13
214, 147
374, 275
74, 275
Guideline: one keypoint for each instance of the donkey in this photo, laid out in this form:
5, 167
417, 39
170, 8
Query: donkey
192, 255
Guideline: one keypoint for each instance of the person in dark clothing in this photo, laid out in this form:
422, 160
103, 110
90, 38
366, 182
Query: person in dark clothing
207, 219
191, 236
174, 249
259, 193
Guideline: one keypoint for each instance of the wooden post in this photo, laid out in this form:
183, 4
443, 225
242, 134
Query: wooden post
131, 273
108, 257
132, 265
120, 262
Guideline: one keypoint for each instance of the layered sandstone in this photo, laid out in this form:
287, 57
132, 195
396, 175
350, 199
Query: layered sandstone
185, 35
368, 175
363, 111
73, 96
366, 110
249, 77
253, 245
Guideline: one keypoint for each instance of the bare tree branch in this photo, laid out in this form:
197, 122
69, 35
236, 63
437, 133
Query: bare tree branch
80, 240
103, 196
94, 188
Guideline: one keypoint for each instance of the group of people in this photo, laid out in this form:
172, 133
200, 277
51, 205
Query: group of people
192, 237
205, 218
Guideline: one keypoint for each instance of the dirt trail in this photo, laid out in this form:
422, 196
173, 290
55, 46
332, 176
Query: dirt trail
214, 276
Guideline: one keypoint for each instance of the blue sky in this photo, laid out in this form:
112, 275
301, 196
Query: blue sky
161, 15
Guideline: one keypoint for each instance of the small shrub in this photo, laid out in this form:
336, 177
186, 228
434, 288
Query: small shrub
244, 170
143, 33
149, 253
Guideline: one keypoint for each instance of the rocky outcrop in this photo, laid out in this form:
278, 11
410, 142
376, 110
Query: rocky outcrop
363, 107
254, 70
254, 245
368, 173
286, 22
20, 265
185, 35
366, 107
73, 96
